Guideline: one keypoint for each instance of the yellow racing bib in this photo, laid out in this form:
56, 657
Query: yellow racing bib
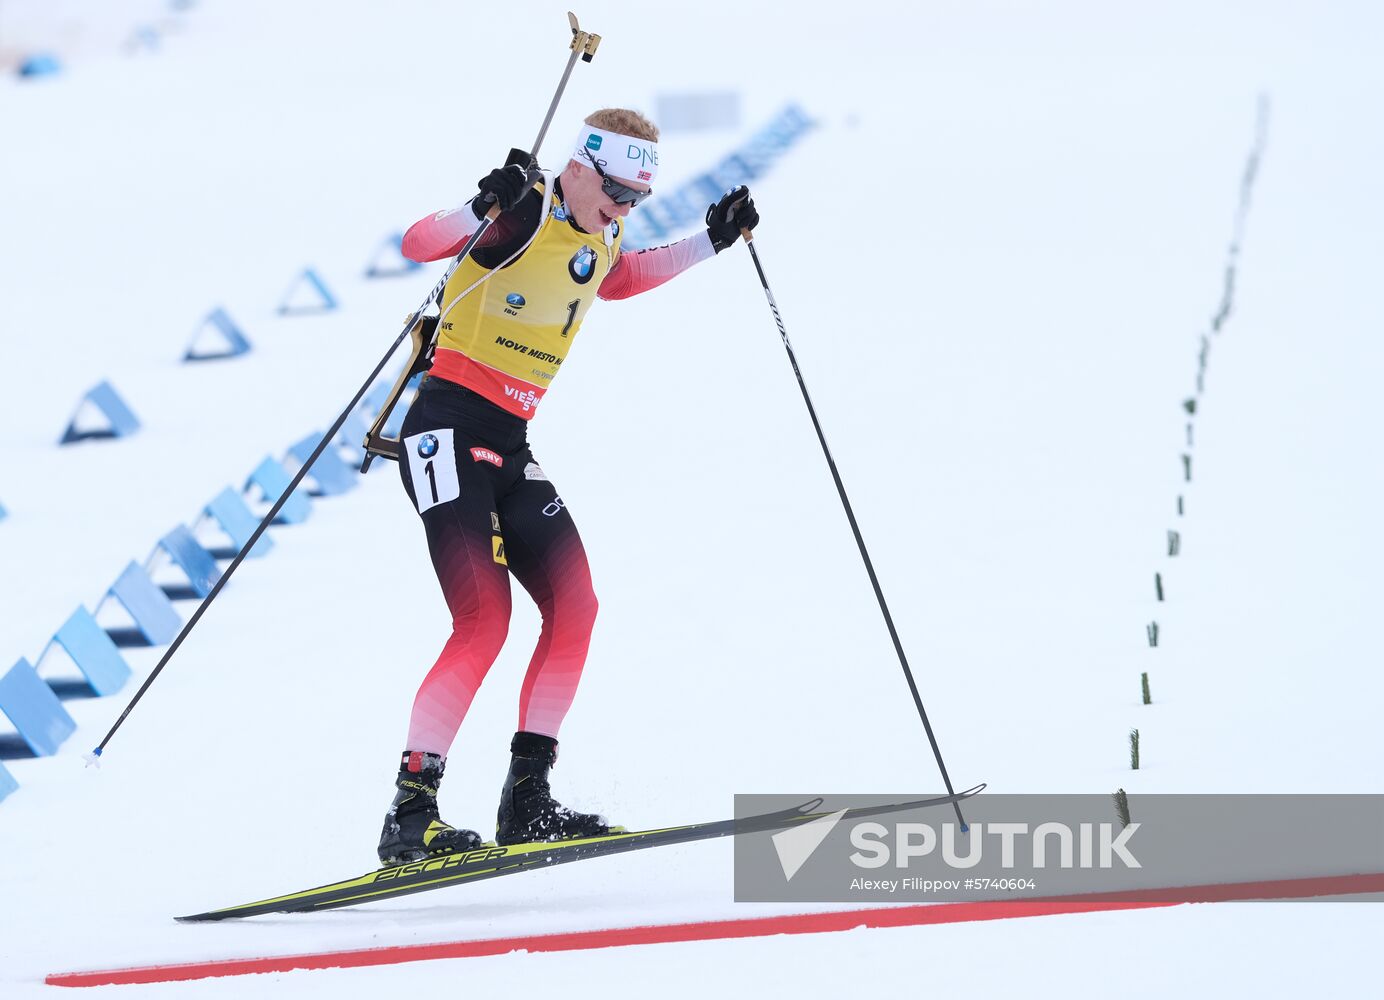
507, 336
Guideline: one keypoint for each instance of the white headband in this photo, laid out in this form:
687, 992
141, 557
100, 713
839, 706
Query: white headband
625, 156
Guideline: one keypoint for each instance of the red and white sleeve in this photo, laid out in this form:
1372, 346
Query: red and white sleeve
440, 236
645, 269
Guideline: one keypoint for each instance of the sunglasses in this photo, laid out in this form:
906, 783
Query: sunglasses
621, 194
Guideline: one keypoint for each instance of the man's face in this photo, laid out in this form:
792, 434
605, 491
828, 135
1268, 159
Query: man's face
590, 206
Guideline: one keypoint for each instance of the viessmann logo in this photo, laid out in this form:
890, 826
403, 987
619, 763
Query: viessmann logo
528, 400
1045, 846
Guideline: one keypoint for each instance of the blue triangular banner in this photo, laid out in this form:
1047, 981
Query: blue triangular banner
95, 654
308, 294
101, 414
332, 476
189, 555
40, 64
389, 260
229, 510
153, 613
217, 337
272, 479
34, 710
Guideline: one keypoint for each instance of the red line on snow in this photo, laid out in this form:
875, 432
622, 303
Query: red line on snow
796, 923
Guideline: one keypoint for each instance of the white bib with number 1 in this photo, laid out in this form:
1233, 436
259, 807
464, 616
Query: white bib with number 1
432, 466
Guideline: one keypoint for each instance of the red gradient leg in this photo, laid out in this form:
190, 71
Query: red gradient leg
477, 592
547, 557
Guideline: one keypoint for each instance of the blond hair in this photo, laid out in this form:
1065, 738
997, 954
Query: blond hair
625, 122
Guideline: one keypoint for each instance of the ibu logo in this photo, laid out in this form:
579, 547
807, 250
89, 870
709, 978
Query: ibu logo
427, 446
513, 303
593, 142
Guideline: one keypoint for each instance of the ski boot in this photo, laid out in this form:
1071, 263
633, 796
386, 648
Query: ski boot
412, 829
528, 811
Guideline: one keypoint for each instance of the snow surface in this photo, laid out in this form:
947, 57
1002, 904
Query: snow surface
995, 258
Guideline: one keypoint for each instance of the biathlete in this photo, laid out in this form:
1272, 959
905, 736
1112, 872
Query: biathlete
487, 507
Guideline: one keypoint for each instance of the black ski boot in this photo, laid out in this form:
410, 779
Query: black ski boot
412, 829
527, 810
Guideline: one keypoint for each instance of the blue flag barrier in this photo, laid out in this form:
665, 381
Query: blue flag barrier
308, 294
100, 414
34, 710
154, 615
332, 476
93, 651
271, 479
229, 510
218, 337
188, 555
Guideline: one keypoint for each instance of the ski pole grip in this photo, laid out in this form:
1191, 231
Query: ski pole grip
525, 160
749, 236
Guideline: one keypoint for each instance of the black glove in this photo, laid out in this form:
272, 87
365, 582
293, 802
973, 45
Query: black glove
503, 186
734, 212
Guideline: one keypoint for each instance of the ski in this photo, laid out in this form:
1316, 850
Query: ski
492, 861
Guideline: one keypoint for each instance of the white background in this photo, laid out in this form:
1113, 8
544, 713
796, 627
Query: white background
995, 256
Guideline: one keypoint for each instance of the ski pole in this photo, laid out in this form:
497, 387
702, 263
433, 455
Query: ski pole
583, 45
855, 528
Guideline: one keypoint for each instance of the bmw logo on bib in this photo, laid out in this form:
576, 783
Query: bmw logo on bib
427, 446
614, 228
582, 265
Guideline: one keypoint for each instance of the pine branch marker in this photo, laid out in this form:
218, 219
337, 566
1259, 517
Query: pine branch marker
1121, 806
